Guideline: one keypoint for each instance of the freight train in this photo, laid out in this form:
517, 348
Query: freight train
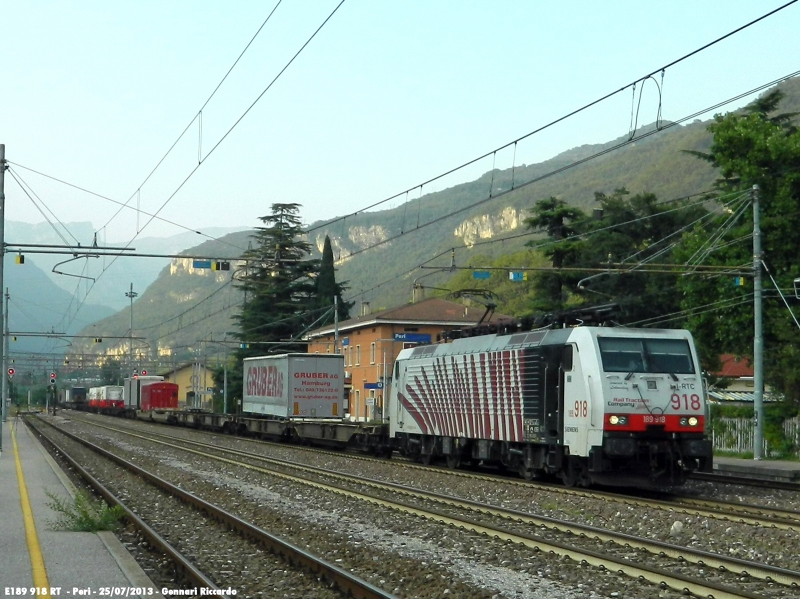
587, 404
145, 395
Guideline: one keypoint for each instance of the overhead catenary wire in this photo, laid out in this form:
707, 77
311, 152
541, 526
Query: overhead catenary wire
144, 212
197, 115
236, 123
25, 189
704, 196
562, 118
523, 138
566, 167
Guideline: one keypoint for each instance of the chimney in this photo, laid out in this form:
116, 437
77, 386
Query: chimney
364, 308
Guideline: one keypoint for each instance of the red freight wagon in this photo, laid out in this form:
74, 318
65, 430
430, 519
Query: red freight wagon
159, 396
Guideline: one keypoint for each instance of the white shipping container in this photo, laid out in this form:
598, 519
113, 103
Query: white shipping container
294, 385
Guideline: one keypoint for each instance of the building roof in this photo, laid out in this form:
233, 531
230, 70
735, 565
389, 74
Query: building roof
734, 367
431, 311
721, 395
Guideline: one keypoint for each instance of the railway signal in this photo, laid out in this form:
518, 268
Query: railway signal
11, 372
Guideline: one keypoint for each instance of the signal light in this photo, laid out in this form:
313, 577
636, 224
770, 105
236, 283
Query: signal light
20, 259
52, 380
98, 339
219, 265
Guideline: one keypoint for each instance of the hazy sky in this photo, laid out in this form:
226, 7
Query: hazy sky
388, 95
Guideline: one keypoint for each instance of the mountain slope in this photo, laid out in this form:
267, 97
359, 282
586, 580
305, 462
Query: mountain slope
185, 306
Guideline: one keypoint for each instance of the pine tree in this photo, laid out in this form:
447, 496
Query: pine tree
560, 221
280, 298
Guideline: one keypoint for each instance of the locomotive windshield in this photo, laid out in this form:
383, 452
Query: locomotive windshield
626, 354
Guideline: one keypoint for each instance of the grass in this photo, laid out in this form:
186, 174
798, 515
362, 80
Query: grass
83, 513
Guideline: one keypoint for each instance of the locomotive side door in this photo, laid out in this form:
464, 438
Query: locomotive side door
577, 404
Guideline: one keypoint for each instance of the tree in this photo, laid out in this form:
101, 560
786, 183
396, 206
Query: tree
631, 230
754, 147
560, 221
279, 292
634, 230
326, 286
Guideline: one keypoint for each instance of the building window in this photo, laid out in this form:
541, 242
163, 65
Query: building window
372, 353
358, 355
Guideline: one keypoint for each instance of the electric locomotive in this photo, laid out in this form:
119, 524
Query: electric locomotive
591, 405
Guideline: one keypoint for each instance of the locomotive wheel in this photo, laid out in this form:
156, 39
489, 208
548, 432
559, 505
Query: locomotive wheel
574, 473
528, 473
569, 473
453, 461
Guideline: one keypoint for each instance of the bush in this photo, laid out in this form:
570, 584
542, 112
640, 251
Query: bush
84, 514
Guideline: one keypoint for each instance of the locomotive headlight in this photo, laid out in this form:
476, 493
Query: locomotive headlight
618, 420
684, 421
613, 419
692, 421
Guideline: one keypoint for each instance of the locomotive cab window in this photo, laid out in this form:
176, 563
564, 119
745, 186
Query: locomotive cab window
646, 355
566, 358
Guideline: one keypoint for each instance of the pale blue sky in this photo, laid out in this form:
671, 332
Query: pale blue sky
389, 94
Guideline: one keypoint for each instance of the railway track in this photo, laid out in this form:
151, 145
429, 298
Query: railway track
732, 479
667, 565
345, 583
736, 512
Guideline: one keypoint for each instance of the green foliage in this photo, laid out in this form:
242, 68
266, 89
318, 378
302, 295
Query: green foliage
84, 514
279, 288
633, 229
560, 222
774, 416
326, 286
754, 147
514, 298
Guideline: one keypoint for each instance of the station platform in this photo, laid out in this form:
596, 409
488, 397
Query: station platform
767, 470
35, 555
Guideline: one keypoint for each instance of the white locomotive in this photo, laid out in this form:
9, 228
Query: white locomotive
593, 405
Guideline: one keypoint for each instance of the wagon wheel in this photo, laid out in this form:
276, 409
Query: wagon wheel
426, 458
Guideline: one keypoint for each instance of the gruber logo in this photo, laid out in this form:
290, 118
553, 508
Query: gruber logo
316, 375
264, 381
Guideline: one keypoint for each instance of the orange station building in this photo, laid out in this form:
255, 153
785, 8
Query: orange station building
370, 343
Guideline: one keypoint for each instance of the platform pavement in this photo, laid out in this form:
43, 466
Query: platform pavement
72, 560
777, 470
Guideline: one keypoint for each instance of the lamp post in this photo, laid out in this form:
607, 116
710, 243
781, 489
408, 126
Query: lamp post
131, 294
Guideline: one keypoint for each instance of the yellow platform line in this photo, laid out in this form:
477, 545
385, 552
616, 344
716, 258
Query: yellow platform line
40, 580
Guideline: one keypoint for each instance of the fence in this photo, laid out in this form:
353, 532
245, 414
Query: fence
737, 435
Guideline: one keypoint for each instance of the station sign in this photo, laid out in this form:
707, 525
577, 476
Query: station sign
413, 337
